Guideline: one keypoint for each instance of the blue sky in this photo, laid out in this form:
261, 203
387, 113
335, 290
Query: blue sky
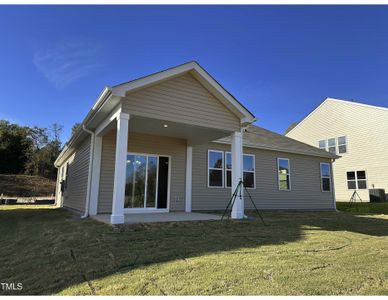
280, 61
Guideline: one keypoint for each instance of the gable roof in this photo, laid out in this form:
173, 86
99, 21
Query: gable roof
201, 75
110, 97
327, 100
260, 138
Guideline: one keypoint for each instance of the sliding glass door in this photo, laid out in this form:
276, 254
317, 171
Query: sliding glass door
142, 178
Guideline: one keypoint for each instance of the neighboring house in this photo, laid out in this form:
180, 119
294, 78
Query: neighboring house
359, 134
178, 141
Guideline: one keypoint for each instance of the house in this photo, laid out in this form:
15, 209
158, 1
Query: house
358, 133
176, 140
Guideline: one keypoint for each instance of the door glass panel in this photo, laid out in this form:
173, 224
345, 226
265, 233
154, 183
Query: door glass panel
140, 176
129, 181
151, 181
135, 181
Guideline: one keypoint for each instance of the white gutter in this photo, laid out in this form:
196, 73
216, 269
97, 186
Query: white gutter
90, 171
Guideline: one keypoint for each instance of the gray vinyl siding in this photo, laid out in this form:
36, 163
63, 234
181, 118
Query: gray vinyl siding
365, 128
75, 194
305, 191
149, 144
181, 99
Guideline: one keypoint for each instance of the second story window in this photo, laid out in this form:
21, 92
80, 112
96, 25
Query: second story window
332, 147
342, 144
322, 144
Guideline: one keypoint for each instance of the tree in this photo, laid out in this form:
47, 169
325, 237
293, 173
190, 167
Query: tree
75, 128
15, 147
29, 150
47, 146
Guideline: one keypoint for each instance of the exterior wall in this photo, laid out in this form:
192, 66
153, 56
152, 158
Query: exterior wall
182, 99
366, 130
150, 144
305, 182
74, 195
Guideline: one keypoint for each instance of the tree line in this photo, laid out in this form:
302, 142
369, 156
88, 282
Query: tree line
29, 150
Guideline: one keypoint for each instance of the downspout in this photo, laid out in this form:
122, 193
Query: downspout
90, 171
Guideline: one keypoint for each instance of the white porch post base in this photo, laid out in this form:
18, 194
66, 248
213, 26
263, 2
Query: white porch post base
117, 219
237, 174
117, 216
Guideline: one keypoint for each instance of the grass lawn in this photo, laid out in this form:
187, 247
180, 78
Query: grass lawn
50, 251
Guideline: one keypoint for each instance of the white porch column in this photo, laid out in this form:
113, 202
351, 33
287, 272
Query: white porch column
237, 174
117, 216
95, 184
189, 172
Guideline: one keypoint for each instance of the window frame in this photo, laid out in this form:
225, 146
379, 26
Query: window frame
289, 174
325, 148
254, 169
222, 169
356, 180
321, 176
346, 144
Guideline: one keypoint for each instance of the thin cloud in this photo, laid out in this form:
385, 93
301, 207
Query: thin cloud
67, 62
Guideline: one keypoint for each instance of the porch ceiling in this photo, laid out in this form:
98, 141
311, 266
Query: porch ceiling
195, 135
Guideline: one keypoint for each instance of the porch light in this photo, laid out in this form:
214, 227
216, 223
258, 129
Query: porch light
165, 125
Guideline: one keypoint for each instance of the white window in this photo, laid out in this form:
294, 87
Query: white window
341, 141
284, 180
215, 168
228, 169
332, 145
356, 180
322, 144
325, 177
248, 170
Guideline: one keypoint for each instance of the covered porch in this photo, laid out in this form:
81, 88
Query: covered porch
155, 122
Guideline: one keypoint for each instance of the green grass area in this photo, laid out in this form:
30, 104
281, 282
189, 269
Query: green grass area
364, 207
26, 186
50, 251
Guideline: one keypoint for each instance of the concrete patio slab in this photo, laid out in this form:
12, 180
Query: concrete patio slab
143, 218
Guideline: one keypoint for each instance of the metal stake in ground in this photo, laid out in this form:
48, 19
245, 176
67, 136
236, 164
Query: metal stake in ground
353, 199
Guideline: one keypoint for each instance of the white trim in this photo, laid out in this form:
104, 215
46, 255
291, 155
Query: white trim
289, 174
333, 183
254, 171
189, 178
117, 216
320, 172
237, 174
114, 115
219, 169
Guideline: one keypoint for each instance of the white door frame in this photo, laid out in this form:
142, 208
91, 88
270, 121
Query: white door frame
152, 209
